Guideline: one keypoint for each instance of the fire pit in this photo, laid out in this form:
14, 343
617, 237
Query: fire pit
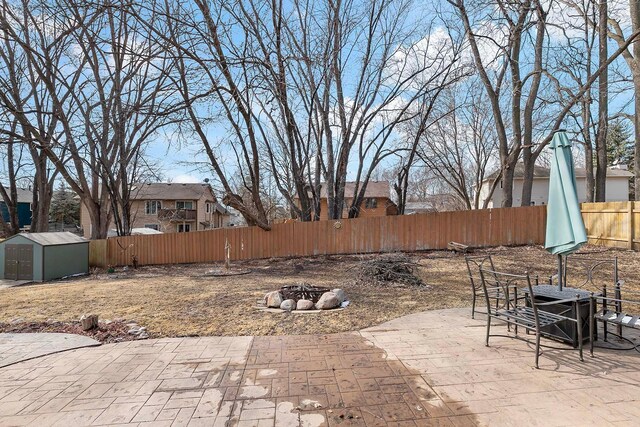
304, 296
302, 291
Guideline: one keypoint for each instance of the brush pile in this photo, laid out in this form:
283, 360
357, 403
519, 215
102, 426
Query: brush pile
389, 269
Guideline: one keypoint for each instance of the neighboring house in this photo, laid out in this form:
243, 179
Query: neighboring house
412, 208
171, 208
25, 197
377, 201
442, 202
617, 186
235, 219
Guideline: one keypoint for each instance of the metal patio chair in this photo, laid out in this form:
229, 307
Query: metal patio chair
611, 311
520, 311
593, 271
474, 264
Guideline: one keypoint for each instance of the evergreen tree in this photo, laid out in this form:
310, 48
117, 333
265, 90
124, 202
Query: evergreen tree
65, 206
620, 147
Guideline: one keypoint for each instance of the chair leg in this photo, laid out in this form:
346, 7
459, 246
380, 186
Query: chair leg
537, 348
473, 305
591, 334
579, 328
488, 329
592, 323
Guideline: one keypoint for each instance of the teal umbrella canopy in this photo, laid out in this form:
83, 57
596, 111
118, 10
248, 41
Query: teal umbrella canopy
565, 228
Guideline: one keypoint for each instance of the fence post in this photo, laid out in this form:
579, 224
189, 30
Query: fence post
630, 222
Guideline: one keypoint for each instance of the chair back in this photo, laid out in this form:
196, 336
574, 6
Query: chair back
501, 289
597, 271
474, 264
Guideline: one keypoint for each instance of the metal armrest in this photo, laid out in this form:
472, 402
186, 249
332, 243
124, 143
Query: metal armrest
628, 291
562, 301
611, 299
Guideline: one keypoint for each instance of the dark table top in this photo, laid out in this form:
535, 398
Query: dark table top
552, 292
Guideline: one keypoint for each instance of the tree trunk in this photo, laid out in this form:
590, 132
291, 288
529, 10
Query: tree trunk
590, 179
529, 164
634, 65
603, 105
507, 186
100, 217
636, 130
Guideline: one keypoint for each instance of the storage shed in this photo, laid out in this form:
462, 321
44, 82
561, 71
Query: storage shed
43, 256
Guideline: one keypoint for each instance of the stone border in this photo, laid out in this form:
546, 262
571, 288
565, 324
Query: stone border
279, 310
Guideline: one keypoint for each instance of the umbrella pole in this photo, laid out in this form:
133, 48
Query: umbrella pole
560, 273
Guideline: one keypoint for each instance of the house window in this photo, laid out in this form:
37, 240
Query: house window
151, 207
208, 207
184, 228
370, 203
151, 226
181, 204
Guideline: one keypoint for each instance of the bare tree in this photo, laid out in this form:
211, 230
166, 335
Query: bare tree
19, 91
9, 189
106, 86
460, 146
508, 69
378, 74
522, 21
603, 104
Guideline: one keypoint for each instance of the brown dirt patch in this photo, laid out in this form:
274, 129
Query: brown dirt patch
181, 300
105, 332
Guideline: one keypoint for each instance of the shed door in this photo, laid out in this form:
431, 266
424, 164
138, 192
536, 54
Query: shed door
18, 262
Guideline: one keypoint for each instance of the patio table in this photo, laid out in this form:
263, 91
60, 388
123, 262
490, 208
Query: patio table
565, 331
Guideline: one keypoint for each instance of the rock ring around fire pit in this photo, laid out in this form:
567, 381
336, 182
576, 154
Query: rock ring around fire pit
303, 298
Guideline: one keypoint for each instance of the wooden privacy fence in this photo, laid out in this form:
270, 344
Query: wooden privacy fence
614, 224
490, 227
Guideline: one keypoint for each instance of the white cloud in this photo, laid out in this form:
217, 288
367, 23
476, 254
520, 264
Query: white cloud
184, 178
566, 19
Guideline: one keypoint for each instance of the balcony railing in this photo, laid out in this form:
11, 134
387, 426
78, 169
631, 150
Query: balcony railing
177, 214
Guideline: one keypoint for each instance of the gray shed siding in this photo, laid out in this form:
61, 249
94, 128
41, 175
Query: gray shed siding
51, 260
65, 260
37, 256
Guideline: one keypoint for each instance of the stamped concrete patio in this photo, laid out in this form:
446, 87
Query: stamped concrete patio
430, 368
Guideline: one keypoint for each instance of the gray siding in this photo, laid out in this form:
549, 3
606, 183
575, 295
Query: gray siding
54, 261
37, 256
65, 260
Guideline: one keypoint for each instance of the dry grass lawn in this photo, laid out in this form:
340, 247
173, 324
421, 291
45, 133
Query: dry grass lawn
182, 300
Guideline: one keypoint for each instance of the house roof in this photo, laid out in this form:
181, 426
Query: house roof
25, 196
221, 209
542, 172
374, 189
52, 238
171, 191
418, 206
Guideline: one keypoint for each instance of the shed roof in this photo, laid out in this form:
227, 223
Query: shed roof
52, 238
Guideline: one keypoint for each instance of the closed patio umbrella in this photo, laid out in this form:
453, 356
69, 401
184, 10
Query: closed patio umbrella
565, 228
